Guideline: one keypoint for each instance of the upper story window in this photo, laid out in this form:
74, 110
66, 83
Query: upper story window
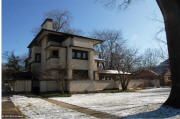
78, 54
73, 55
55, 53
37, 57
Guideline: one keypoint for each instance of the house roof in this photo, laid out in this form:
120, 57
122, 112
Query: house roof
162, 67
145, 74
96, 41
164, 63
99, 60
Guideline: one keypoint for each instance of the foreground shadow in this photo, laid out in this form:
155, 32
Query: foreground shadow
162, 112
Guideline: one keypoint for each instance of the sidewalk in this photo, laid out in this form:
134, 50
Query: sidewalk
87, 111
10, 111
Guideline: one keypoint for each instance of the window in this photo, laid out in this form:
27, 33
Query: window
73, 55
55, 53
37, 57
84, 55
78, 54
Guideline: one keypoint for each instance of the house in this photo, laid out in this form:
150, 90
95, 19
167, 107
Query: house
144, 79
164, 71
56, 58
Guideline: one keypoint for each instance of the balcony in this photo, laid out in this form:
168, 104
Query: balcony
53, 63
53, 43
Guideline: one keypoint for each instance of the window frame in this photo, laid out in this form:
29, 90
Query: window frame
36, 57
75, 52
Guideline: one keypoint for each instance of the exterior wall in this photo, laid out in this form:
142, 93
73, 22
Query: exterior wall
143, 83
48, 86
22, 86
95, 66
82, 42
48, 63
167, 77
35, 67
91, 62
35, 49
43, 53
80, 64
67, 42
59, 62
90, 85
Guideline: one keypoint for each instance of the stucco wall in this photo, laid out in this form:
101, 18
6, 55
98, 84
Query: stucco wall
43, 53
82, 42
35, 49
36, 67
47, 86
67, 42
90, 85
22, 86
143, 83
80, 64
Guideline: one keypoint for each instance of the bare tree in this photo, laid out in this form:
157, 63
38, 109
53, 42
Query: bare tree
163, 51
62, 20
150, 58
125, 61
112, 39
170, 10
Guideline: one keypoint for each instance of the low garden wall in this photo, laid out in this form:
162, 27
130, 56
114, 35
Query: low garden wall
90, 85
22, 86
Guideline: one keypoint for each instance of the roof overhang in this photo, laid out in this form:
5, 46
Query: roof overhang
44, 32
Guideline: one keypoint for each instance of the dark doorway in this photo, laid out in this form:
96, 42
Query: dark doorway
35, 86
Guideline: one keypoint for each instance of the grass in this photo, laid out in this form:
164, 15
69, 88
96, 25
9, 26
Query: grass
115, 91
47, 95
55, 94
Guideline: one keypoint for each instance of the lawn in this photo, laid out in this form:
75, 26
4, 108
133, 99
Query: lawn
141, 104
130, 105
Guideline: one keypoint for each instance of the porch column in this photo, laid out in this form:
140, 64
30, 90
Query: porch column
69, 63
91, 60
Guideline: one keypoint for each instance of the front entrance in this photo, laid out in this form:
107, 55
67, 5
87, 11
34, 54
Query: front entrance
35, 86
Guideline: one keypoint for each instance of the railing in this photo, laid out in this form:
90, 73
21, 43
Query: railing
53, 63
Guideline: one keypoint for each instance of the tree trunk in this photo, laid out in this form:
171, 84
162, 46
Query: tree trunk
171, 14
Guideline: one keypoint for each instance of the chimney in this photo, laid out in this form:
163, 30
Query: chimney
47, 24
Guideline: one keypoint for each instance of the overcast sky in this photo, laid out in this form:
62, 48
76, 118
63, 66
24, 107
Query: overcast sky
19, 17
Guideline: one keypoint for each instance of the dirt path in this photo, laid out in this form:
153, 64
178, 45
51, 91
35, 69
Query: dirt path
87, 111
10, 111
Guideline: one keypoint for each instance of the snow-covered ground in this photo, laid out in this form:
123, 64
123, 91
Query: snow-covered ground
142, 104
36, 108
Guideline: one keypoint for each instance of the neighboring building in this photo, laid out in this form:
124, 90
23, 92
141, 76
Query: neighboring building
56, 55
164, 71
111, 74
144, 79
